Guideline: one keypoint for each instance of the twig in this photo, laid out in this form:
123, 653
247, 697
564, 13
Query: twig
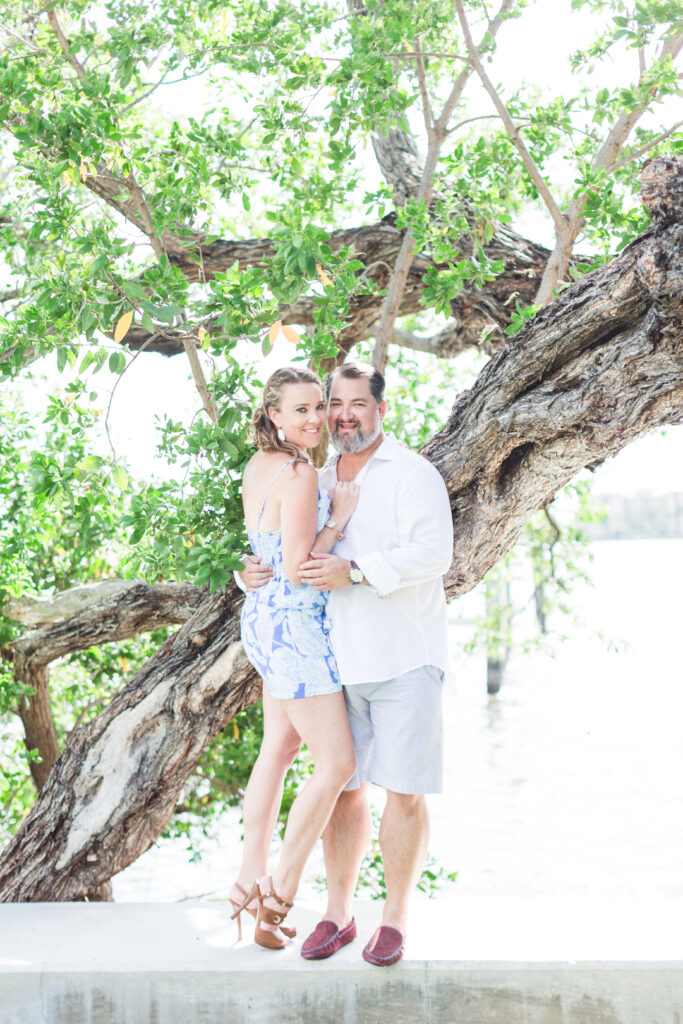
144, 95
422, 53
648, 145
469, 120
113, 390
86, 709
424, 92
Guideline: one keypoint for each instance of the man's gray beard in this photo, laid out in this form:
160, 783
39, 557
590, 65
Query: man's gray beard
359, 442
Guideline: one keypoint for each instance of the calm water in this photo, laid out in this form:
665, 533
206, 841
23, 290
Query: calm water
570, 781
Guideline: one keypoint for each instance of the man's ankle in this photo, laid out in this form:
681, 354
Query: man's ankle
340, 913
394, 917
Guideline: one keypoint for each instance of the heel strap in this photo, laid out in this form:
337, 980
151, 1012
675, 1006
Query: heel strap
272, 895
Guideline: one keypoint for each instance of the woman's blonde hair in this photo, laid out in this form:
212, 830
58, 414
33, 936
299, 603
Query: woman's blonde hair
263, 430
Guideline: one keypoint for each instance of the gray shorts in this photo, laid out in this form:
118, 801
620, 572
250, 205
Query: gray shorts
397, 729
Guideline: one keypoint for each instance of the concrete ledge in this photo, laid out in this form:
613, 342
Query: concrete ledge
468, 960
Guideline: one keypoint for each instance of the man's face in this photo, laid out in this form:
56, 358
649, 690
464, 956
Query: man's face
354, 419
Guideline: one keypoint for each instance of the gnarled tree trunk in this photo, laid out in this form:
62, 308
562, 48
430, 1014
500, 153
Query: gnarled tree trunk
595, 369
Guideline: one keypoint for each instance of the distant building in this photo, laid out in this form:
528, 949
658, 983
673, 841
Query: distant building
639, 516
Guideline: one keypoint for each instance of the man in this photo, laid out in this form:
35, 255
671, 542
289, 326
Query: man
387, 610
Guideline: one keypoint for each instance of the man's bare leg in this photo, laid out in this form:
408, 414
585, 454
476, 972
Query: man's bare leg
345, 842
403, 839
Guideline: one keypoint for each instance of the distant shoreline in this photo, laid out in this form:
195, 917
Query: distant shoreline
639, 517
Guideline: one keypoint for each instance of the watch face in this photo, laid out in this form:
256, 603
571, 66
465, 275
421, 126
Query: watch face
356, 575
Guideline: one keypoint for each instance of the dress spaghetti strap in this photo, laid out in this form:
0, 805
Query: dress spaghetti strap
263, 503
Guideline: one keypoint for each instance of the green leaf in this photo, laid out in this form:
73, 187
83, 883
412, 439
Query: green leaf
117, 362
120, 477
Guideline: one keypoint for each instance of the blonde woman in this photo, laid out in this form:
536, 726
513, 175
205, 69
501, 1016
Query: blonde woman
284, 634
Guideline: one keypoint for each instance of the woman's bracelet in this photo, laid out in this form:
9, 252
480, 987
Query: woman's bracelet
333, 525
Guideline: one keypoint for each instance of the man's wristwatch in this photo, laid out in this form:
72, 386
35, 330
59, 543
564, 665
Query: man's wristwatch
355, 574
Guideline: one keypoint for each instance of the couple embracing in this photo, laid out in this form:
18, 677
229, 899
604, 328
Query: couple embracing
345, 620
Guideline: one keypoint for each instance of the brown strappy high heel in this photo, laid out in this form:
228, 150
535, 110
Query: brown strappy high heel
236, 899
262, 936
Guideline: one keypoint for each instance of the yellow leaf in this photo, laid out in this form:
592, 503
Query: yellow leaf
274, 331
124, 664
235, 731
291, 335
123, 326
201, 333
66, 178
324, 277
83, 170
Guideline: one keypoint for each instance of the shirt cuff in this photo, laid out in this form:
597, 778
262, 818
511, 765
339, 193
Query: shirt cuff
238, 580
381, 576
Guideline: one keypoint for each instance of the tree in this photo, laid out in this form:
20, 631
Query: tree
126, 230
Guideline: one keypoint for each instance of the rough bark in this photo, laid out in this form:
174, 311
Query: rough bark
598, 367
117, 782
40, 734
145, 604
97, 613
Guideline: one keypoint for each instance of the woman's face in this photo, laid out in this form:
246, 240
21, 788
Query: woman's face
301, 415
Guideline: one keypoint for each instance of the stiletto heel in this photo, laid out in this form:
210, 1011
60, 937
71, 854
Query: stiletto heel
240, 900
263, 936
238, 906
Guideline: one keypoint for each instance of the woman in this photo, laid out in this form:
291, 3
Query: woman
285, 638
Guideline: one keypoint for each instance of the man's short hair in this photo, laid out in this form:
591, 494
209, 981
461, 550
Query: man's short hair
356, 371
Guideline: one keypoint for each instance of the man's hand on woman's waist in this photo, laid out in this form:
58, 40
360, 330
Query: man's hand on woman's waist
255, 575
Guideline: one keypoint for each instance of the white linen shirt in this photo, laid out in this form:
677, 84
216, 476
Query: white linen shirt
401, 537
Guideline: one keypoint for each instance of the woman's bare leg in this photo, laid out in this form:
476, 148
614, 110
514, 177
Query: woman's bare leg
323, 725
263, 795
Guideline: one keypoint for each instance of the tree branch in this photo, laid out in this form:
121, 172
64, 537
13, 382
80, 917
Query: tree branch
527, 159
64, 43
105, 612
424, 92
642, 150
620, 131
606, 159
435, 138
32, 611
200, 380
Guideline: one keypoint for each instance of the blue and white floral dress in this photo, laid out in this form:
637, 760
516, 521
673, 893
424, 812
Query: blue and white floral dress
284, 627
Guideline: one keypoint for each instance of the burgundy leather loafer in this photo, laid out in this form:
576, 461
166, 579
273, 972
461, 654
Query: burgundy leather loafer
385, 947
326, 938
